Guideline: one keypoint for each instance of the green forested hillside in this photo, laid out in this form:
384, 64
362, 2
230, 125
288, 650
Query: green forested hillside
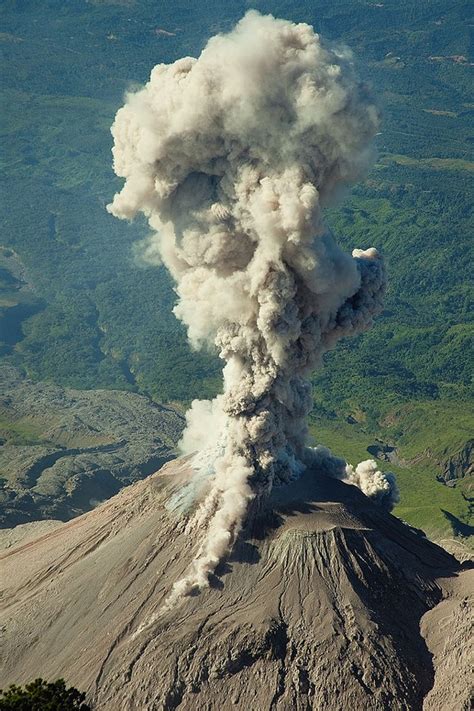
77, 307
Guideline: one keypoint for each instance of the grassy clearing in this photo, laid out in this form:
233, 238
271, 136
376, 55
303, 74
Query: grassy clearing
436, 163
438, 428
439, 112
21, 432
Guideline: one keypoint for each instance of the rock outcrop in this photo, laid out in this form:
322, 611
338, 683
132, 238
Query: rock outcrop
458, 465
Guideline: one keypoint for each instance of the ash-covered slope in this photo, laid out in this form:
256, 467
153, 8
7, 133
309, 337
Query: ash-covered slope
318, 607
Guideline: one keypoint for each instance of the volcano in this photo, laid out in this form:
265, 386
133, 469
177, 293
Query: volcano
326, 602
260, 573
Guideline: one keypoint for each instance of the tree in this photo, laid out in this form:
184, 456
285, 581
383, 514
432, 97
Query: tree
40, 695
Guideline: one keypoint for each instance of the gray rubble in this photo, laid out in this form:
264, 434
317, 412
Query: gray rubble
76, 448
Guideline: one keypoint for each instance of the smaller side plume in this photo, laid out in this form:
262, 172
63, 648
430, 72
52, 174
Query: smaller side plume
380, 487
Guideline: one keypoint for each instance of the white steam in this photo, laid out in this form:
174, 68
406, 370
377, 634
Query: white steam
232, 157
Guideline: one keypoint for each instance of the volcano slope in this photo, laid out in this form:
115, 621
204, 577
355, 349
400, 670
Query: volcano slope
319, 606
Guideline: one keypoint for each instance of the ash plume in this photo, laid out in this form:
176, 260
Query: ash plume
232, 158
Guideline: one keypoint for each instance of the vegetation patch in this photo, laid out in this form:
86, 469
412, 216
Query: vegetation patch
40, 695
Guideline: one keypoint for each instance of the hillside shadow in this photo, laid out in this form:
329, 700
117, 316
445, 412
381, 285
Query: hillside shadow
459, 527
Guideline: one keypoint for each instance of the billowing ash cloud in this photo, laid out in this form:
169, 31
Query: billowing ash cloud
232, 157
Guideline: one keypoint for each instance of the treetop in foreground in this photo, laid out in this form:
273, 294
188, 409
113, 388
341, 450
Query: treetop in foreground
41, 695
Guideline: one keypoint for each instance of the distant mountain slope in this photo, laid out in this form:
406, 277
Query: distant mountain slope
318, 607
63, 451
